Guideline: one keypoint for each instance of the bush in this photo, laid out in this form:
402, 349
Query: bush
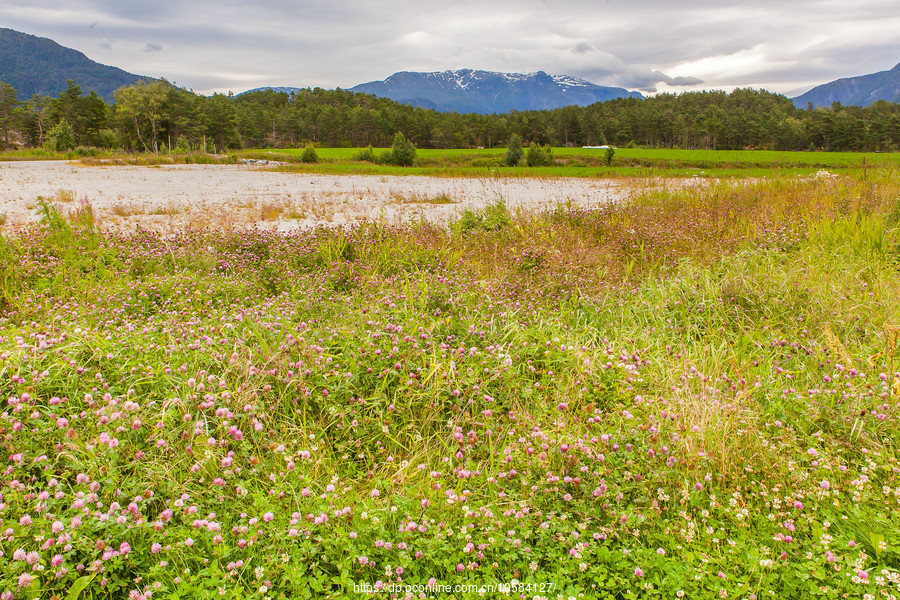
367, 154
108, 139
514, 152
538, 156
309, 155
610, 153
403, 152
181, 145
62, 137
493, 217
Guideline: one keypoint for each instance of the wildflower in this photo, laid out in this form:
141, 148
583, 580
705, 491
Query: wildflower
638, 572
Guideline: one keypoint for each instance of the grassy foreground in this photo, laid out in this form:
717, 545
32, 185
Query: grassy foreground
692, 395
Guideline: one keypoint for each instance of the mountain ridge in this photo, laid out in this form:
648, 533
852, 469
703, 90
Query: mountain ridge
38, 65
861, 90
485, 92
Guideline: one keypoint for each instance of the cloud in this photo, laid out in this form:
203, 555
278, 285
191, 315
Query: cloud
582, 47
647, 45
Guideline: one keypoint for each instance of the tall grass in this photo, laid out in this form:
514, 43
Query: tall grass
693, 392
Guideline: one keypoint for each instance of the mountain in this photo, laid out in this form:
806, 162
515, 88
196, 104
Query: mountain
35, 65
485, 92
859, 91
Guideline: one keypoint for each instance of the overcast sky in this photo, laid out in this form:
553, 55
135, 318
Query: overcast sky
785, 46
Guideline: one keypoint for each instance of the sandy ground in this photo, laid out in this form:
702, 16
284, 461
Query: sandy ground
169, 197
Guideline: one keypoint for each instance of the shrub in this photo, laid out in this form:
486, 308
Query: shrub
403, 152
309, 155
367, 154
538, 156
493, 217
514, 152
62, 137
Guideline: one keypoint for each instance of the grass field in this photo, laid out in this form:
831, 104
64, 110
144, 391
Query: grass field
691, 395
570, 162
580, 162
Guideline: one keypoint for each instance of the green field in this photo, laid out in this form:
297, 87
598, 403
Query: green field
570, 162
580, 162
695, 393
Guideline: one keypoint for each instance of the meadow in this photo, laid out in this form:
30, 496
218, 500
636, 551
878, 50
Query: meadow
690, 394
569, 162
591, 162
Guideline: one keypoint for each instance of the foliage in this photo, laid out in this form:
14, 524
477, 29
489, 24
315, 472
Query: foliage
366, 154
403, 152
493, 217
514, 153
8, 103
309, 155
62, 137
537, 156
609, 155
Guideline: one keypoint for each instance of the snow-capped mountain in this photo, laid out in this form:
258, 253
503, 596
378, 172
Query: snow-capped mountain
486, 92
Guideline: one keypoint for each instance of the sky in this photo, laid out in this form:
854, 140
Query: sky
785, 46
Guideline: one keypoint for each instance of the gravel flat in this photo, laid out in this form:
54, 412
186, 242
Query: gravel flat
173, 196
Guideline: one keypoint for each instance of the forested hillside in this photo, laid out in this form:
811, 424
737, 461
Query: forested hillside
155, 115
36, 65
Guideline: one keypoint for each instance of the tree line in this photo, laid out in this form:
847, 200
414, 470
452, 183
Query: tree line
156, 116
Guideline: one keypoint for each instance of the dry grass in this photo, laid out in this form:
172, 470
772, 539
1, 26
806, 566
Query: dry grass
169, 210
64, 196
442, 198
122, 209
271, 211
